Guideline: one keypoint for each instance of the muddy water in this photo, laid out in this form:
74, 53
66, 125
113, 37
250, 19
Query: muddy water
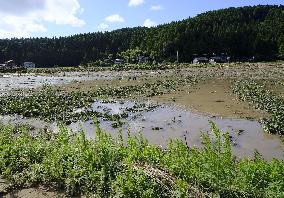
20, 120
165, 122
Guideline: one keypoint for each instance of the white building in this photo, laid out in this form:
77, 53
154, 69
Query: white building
29, 65
200, 60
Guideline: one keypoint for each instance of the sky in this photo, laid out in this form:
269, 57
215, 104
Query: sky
48, 18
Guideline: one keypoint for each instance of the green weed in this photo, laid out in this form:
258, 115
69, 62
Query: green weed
108, 167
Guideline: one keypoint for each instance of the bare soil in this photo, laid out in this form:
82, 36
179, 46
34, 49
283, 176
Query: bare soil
7, 191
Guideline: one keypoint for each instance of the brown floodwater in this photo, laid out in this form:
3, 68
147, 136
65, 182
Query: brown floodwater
163, 123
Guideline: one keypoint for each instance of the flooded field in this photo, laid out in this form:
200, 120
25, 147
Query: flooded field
161, 106
15, 82
180, 109
162, 123
214, 97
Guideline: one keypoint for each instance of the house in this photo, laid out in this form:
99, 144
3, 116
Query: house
29, 65
10, 64
118, 61
200, 60
2, 66
143, 59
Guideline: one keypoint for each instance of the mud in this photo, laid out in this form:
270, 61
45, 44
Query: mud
7, 191
213, 97
92, 85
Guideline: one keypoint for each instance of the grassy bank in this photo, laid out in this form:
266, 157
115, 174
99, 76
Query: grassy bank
106, 167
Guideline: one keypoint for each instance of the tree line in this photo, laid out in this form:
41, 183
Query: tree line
253, 31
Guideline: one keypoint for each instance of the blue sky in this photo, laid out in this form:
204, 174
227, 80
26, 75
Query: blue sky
47, 18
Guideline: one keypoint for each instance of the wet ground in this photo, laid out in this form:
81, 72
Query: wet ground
7, 191
215, 97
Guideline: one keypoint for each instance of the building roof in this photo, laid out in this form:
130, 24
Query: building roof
9, 61
201, 58
216, 57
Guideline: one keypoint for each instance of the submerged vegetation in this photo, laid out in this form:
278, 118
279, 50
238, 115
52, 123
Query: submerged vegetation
53, 105
263, 99
107, 167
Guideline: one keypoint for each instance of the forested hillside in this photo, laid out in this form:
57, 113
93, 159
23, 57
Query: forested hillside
238, 32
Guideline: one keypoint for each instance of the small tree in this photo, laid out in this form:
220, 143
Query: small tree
131, 55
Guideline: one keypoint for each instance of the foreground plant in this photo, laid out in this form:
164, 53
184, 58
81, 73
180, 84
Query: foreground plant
107, 167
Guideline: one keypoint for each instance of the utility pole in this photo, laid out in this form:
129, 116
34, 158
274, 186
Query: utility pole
177, 57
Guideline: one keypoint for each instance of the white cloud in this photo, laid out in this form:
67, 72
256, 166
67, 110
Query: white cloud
116, 18
20, 18
149, 23
62, 12
156, 7
134, 3
81, 11
103, 26
13, 26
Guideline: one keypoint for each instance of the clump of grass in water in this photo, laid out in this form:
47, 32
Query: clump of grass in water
264, 99
109, 168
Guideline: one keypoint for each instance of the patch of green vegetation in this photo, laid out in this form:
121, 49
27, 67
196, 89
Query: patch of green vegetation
101, 66
55, 70
263, 99
160, 66
107, 167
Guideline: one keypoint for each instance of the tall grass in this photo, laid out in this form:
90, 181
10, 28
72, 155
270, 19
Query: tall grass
107, 167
